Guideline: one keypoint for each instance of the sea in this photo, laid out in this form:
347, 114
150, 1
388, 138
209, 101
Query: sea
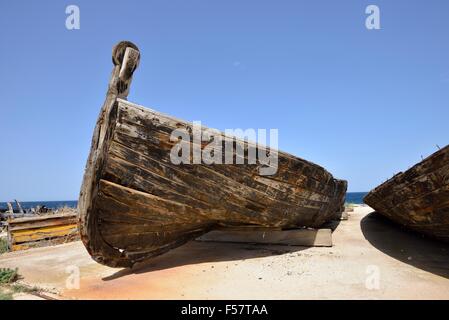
355, 197
351, 197
48, 204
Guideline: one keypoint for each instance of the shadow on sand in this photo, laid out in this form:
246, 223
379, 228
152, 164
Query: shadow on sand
406, 246
196, 252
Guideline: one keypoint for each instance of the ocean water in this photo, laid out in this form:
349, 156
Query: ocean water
355, 197
351, 197
48, 204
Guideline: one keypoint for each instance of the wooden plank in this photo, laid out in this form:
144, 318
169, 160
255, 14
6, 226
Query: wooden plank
295, 237
247, 228
39, 218
42, 233
43, 223
19, 206
44, 243
10, 208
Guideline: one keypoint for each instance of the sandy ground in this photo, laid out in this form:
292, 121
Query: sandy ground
371, 259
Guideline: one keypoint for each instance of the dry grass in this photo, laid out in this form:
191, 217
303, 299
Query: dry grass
9, 286
5, 294
3, 245
8, 275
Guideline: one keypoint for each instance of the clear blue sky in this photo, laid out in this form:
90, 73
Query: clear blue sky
364, 104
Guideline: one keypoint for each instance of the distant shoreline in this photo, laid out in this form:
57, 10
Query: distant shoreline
48, 204
351, 197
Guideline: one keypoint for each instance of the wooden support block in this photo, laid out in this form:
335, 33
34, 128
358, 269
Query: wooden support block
295, 237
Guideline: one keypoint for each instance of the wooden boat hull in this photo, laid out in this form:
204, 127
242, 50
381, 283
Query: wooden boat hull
135, 203
417, 198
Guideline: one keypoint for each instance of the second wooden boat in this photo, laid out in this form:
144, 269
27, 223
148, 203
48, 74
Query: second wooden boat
135, 203
419, 197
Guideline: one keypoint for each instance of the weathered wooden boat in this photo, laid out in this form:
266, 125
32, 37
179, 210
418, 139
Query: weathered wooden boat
135, 203
417, 198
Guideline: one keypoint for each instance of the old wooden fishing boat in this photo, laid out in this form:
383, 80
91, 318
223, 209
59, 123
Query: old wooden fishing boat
419, 197
136, 203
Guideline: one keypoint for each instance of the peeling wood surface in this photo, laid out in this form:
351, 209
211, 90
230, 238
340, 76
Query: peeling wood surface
419, 197
135, 203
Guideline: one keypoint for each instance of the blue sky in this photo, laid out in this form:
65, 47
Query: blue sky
362, 103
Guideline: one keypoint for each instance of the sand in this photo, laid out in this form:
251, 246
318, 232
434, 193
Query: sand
371, 259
